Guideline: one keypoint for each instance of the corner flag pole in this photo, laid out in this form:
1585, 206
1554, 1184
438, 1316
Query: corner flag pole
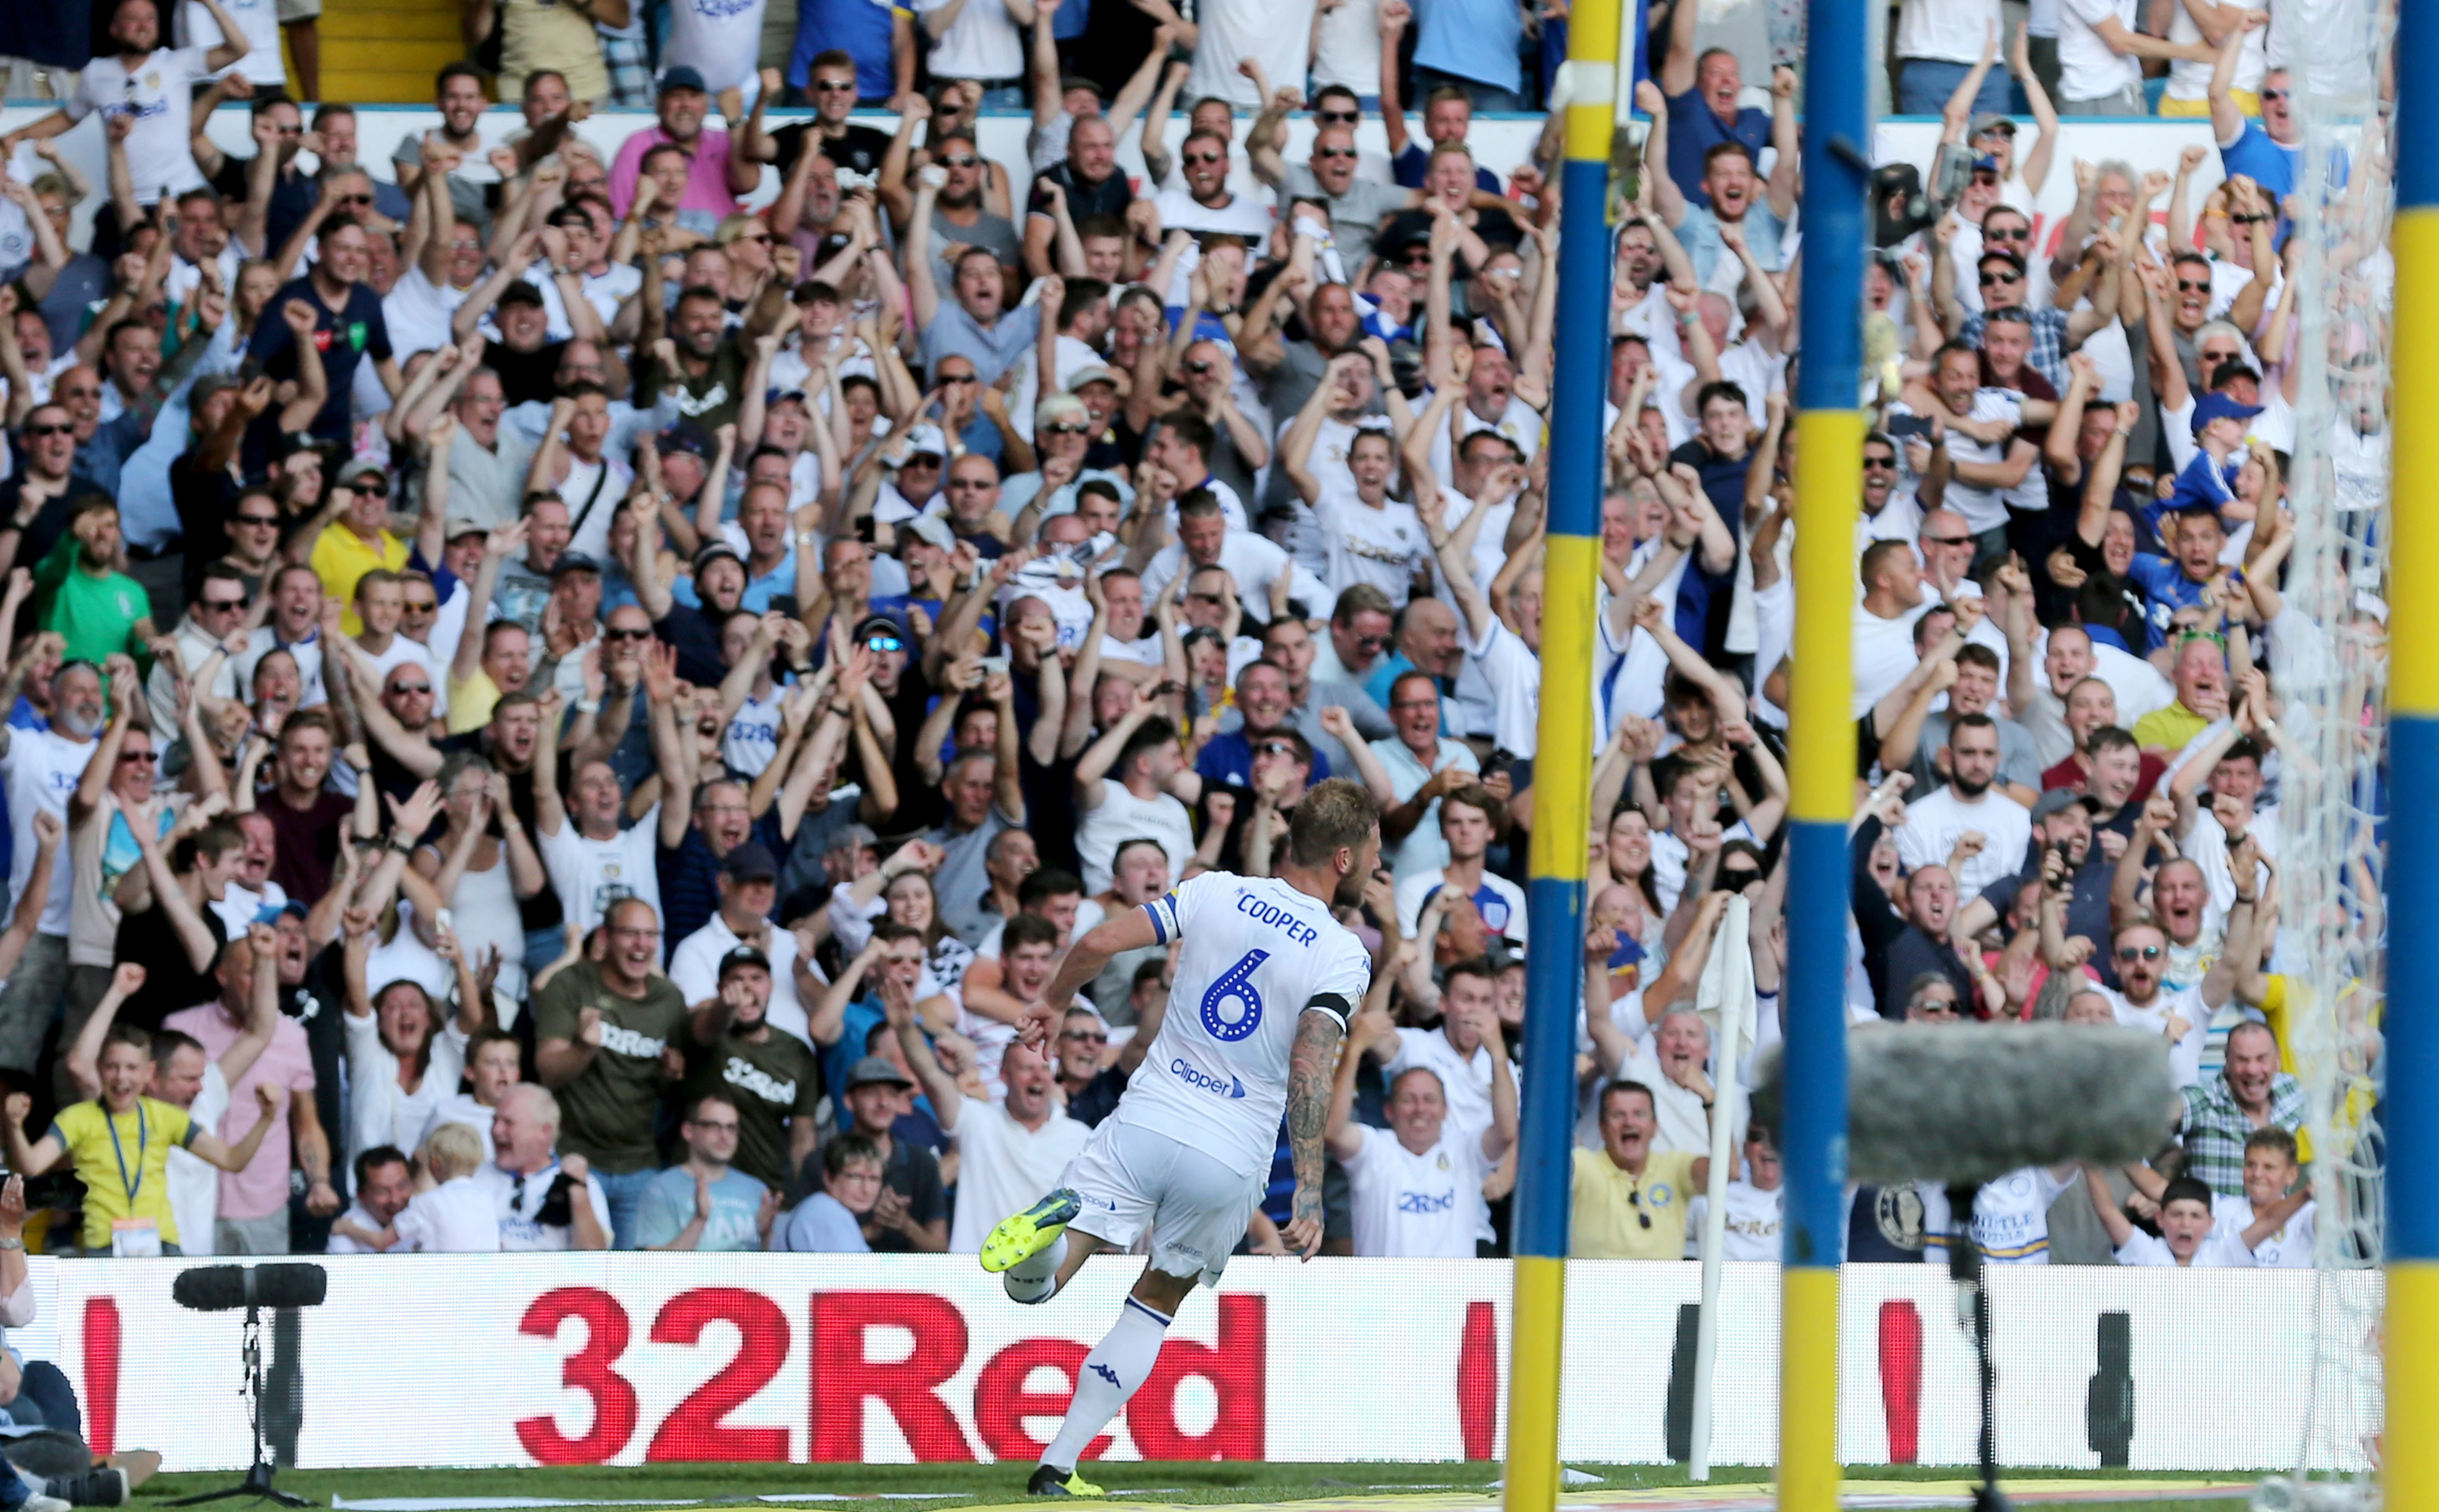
1820, 764
2410, 1453
1562, 766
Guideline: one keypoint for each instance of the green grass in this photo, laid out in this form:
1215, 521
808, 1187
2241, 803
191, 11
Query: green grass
964, 1486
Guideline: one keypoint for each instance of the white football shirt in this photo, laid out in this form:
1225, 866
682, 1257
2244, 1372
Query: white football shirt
1254, 955
2011, 1218
156, 92
1424, 1207
2290, 1248
590, 875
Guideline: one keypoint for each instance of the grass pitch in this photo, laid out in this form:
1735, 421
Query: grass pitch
937, 1487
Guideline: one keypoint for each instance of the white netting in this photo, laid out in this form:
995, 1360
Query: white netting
2329, 663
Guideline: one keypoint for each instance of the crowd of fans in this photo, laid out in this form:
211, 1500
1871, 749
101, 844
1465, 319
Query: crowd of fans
559, 702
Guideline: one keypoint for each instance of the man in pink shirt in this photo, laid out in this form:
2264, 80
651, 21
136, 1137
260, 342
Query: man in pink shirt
716, 177
254, 1202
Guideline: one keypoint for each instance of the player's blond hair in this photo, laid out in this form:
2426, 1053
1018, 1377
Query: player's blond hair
1337, 813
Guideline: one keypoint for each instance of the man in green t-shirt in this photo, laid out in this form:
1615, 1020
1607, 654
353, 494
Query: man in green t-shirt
772, 1075
96, 608
608, 1035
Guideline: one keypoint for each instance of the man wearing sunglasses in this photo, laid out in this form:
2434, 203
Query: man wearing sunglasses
360, 539
33, 502
1199, 199
2143, 999
215, 616
2005, 284
2270, 152
1357, 205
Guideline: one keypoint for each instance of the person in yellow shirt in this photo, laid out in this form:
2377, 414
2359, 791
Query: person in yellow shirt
119, 1146
359, 541
492, 660
2200, 677
1629, 1200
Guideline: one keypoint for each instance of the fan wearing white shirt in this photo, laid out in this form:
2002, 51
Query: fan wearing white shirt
1364, 536
748, 886
1969, 804
1205, 538
1757, 1206
384, 1185
494, 1063
2276, 1220
1884, 618
591, 861
1502, 626
1418, 1190
457, 1216
2187, 1220
150, 84
2143, 999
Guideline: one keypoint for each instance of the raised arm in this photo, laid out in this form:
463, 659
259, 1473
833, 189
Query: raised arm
194, 935
2034, 165
1157, 161
2227, 117
948, 1098
270, 1099
919, 284
1676, 71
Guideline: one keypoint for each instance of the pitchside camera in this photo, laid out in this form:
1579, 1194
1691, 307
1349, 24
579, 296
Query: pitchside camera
1899, 208
225, 1288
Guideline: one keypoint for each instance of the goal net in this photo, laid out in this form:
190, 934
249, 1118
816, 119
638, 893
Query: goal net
2328, 664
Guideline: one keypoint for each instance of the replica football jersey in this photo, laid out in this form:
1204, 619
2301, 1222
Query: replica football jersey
2290, 1248
2011, 1218
1256, 953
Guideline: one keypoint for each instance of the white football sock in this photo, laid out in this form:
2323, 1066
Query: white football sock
1036, 1280
1109, 1375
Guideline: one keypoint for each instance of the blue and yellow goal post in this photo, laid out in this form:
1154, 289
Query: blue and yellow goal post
1562, 761
1821, 741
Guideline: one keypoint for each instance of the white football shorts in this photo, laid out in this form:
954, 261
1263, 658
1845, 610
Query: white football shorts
1196, 1207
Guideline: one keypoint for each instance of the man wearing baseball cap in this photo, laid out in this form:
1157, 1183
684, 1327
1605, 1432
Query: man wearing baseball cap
912, 1215
747, 885
774, 1077
715, 175
2062, 824
360, 541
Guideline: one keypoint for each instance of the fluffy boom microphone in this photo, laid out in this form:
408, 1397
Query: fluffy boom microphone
226, 1288
1968, 1103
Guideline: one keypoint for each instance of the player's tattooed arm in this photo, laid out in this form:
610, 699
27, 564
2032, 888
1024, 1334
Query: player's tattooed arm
1309, 1074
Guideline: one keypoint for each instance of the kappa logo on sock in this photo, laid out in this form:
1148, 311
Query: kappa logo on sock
1106, 1374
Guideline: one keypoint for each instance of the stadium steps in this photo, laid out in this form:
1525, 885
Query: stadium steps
384, 52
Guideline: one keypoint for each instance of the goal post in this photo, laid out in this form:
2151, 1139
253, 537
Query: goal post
1562, 764
1820, 742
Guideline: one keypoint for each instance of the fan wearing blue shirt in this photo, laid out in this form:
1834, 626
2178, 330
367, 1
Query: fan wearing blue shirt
2270, 152
1702, 90
1448, 117
2171, 584
2209, 480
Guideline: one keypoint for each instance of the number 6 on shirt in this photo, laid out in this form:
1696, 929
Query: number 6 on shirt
1236, 985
